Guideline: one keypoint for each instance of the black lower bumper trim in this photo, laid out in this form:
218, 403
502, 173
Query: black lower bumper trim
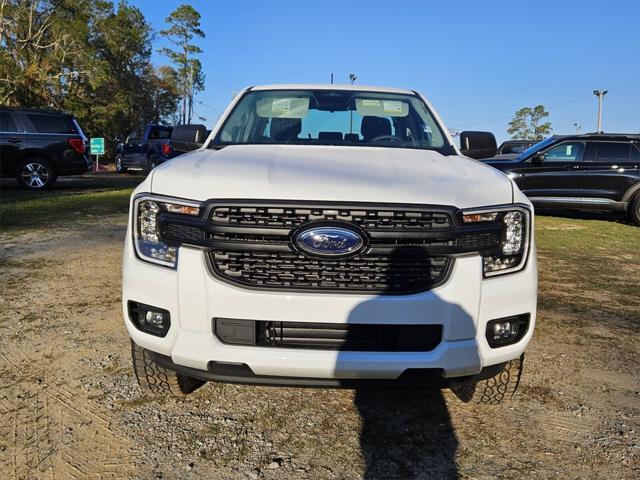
242, 374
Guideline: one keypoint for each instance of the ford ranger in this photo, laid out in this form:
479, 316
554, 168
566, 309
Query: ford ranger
330, 236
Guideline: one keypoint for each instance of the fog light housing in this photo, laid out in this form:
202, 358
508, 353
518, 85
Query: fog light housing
507, 330
149, 319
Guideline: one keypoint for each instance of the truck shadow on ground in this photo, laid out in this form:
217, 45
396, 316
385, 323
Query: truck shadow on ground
407, 431
406, 434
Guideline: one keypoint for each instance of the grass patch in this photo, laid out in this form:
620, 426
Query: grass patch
589, 266
37, 210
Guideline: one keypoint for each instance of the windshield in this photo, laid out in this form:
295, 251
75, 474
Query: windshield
538, 146
332, 117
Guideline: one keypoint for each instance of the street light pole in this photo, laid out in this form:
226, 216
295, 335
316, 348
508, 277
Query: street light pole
600, 94
577, 127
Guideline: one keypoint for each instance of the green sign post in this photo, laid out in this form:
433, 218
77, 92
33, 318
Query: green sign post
97, 148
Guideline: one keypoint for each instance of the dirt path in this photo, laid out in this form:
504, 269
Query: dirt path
70, 408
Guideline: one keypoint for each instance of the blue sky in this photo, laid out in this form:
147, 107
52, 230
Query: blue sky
476, 61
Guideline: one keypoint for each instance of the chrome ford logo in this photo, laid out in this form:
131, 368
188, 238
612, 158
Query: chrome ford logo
329, 241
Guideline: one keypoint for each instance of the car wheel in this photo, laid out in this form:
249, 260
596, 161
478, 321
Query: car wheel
494, 390
120, 168
634, 210
35, 174
157, 379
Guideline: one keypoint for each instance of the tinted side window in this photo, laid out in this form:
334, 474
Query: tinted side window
610, 152
6, 123
635, 152
51, 123
513, 148
565, 152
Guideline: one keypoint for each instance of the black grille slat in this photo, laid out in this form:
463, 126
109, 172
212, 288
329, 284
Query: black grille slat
363, 272
329, 336
370, 219
370, 337
182, 233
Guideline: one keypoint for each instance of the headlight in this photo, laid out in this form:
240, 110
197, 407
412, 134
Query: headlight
146, 229
514, 243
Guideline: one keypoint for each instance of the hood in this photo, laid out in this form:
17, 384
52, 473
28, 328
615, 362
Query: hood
332, 173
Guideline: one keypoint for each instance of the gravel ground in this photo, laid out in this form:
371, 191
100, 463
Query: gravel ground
70, 406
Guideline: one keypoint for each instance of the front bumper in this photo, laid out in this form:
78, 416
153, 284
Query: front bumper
463, 306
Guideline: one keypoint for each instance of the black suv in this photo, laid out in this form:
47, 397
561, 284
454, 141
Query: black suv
36, 146
598, 171
510, 149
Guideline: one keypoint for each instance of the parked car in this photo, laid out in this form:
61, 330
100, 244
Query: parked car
145, 150
330, 236
37, 146
185, 138
512, 148
594, 171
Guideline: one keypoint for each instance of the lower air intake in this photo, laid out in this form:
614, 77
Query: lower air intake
329, 336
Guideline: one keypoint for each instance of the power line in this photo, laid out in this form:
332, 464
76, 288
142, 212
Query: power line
210, 107
511, 116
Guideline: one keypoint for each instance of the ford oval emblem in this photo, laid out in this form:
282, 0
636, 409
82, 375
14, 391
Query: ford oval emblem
329, 241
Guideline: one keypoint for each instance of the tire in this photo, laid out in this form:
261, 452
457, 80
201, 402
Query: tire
634, 210
120, 168
494, 390
35, 174
157, 379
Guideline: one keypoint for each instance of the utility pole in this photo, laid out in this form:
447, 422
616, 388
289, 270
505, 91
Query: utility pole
578, 127
600, 94
332, 79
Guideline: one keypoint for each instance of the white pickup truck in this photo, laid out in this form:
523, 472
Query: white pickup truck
331, 236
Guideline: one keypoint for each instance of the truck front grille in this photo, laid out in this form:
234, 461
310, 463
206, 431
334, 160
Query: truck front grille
394, 273
408, 248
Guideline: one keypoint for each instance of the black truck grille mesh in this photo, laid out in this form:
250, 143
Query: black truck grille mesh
373, 273
329, 336
367, 218
407, 249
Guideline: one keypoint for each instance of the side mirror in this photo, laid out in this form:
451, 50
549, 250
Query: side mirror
537, 158
189, 133
478, 144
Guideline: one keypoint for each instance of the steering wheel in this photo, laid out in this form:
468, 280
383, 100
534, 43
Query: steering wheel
391, 138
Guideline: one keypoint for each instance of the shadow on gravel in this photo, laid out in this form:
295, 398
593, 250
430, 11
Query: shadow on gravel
406, 430
406, 434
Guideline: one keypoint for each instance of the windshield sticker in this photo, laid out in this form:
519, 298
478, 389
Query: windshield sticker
381, 108
289, 107
392, 106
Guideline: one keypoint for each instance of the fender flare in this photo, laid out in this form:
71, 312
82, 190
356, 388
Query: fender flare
35, 155
630, 193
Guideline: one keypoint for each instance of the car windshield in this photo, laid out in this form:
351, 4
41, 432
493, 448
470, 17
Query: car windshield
538, 146
332, 117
